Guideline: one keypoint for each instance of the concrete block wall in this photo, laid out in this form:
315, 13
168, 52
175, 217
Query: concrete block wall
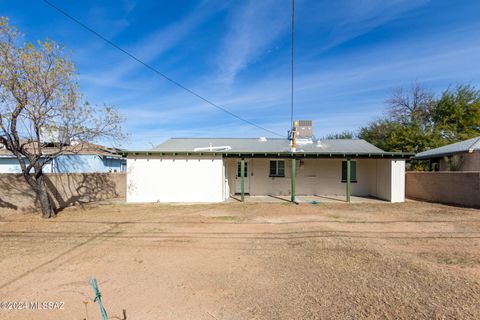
66, 189
449, 187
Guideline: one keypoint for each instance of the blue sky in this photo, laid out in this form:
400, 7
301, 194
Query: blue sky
350, 56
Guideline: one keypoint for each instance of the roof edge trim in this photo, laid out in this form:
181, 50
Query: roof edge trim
392, 155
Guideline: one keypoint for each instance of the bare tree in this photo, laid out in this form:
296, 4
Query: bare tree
41, 108
410, 105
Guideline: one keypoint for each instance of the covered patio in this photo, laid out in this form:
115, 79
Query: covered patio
303, 199
315, 177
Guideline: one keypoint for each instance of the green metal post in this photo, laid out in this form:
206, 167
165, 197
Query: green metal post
242, 178
293, 179
348, 179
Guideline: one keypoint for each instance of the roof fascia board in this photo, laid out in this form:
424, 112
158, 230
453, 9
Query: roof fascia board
297, 155
440, 155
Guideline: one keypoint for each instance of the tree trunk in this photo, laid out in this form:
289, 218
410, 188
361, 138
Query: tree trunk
43, 197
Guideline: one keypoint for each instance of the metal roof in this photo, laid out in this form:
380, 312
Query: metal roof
469, 145
268, 146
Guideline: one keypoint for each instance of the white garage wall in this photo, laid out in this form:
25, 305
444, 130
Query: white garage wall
175, 179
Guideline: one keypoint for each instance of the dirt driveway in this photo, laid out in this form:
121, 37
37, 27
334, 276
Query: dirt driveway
246, 261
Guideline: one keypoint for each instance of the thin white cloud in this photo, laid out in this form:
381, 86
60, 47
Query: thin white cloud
341, 99
128, 5
252, 30
110, 25
341, 92
345, 20
150, 47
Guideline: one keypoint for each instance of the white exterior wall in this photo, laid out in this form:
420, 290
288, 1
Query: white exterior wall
261, 183
175, 179
207, 179
381, 178
398, 181
388, 180
324, 177
314, 177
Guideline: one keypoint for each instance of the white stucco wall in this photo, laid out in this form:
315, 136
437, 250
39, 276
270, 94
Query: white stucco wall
388, 179
398, 181
314, 176
203, 179
324, 177
168, 179
380, 178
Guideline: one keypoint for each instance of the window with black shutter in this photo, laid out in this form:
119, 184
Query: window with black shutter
353, 171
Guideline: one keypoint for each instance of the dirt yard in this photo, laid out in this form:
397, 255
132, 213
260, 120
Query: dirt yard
245, 261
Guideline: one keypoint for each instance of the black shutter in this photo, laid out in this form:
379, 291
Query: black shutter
273, 168
344, 171
353, 171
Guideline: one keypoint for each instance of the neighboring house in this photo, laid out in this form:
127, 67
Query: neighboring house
213, 169
88, 159
460, 156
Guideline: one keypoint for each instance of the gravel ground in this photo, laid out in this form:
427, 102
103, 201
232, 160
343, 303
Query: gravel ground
245, 261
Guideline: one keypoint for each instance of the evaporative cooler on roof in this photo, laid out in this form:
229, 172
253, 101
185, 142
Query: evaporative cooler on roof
304, 129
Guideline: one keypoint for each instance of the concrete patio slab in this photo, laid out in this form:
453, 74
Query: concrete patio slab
305, 199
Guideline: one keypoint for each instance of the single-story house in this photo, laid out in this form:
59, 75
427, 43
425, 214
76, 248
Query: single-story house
213, 169
89, 158
460, 156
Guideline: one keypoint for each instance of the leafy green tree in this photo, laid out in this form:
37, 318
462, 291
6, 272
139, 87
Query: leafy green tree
39, 103
457, 114
408, 125
416, 121
381, 133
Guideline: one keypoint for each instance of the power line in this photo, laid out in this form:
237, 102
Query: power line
157, 71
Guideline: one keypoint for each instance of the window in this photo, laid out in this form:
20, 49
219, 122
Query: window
277, 168
353, 171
